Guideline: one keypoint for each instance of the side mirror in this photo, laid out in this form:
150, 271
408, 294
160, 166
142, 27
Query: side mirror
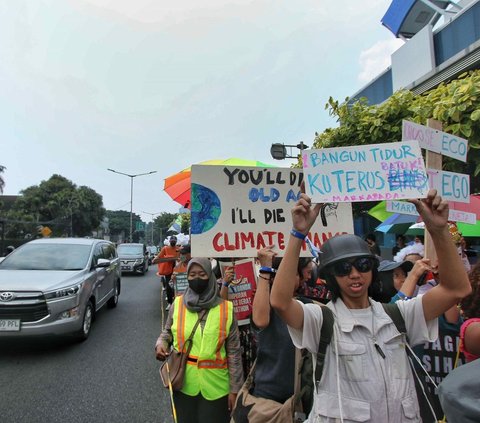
103, 263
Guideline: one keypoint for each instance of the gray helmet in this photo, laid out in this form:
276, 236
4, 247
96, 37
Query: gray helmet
342, 247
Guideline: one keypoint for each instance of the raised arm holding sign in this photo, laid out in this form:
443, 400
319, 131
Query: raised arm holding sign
350, 270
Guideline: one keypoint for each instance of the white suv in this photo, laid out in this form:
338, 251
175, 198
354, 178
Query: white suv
55, 286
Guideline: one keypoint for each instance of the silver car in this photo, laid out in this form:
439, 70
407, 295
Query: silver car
55, 286
133, 258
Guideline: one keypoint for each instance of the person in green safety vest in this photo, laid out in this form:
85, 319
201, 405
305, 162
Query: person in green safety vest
213, 374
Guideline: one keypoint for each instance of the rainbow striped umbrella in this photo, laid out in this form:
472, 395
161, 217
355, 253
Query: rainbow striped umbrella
178, 186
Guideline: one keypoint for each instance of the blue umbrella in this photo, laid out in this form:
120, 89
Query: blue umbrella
396, 224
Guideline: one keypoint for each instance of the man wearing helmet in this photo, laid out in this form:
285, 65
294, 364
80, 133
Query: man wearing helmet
366, 376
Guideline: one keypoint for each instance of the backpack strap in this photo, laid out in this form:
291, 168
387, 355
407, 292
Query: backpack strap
325, 338
394, 313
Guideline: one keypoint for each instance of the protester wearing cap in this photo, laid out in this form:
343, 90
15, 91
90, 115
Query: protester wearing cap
185, 252
405, 276
366, 376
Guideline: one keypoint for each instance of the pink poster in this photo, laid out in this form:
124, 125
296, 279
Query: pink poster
242, 288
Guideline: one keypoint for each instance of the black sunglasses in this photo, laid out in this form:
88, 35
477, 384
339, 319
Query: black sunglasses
362, 264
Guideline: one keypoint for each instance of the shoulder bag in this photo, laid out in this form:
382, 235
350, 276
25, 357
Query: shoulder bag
172, 371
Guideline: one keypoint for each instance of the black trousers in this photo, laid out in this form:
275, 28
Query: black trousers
168, 289
199, 410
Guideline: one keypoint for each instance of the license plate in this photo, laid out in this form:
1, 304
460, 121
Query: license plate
126, 267
9, 325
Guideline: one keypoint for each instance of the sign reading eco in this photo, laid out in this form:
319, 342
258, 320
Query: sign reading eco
238, 210
434, 140
403, 207
374, 172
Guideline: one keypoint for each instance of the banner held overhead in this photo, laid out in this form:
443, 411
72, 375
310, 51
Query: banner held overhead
237, 210
389, 171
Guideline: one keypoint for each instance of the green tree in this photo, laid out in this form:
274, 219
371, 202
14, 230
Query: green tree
186, 219
60, 204
2, 181
119, 223
89, 211
161, 224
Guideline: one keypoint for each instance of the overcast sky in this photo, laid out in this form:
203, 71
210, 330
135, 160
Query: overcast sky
142, 85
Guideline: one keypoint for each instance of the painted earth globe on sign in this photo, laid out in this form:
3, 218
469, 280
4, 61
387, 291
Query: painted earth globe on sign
206, 209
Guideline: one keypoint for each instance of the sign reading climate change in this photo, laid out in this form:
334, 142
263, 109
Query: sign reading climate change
390, 171
238, 210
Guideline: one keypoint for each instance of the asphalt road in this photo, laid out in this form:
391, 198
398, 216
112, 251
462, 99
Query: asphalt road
111, 377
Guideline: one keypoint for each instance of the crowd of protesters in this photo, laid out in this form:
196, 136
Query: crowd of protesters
373, 366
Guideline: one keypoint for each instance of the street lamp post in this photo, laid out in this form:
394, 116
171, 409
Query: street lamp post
152, 214
131, 194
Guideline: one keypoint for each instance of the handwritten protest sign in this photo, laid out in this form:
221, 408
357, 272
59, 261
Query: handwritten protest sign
181, 283
461, 216
403, 207
451, 186
376, 172
242, 288
238, 210
435, 140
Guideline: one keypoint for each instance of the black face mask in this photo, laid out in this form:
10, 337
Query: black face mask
198, 285
173, 243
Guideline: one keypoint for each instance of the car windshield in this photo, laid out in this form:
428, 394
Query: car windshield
129, 250
48, 257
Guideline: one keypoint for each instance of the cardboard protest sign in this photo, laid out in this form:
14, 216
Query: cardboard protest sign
403, 207
451, 186
238, 210
242, 289
434, 140
389, 171
181, 283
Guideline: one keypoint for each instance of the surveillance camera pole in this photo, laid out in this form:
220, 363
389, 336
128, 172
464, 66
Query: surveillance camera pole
279, 150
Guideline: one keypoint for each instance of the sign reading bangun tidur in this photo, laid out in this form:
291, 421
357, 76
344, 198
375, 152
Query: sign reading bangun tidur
238, 210
390, 171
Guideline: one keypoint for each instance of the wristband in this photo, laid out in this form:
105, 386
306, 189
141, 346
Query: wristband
226, 284
403, 296
266, 269
297, 234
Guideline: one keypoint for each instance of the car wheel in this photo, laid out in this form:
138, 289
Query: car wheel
84, 331
113, 301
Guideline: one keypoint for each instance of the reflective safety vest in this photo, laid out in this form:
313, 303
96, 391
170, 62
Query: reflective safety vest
207, 369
